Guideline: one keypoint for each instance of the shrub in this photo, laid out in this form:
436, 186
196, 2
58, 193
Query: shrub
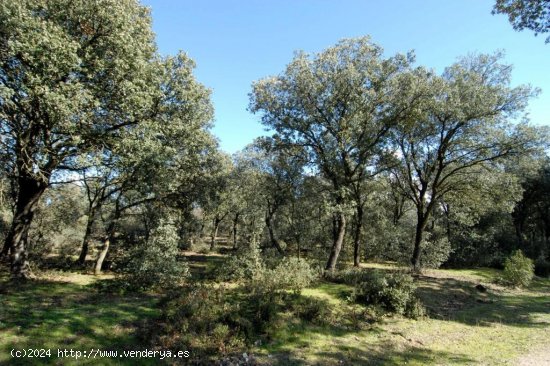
415, 309
154, 263
201, 318
290, 274
245, 265
394, 292
350, 276
542, 267
436, 249
518, 270
313, 310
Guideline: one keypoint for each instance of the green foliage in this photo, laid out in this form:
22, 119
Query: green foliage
531, 14
338, 105
435, 250
312, 310
542, 267
87, 66
350, 276
245, 265
201, 318
518, 270
154, 263
249, 267
59, 223
395, 292
415, 309
290, 274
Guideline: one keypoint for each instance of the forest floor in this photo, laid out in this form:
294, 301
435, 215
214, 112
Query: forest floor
502, 326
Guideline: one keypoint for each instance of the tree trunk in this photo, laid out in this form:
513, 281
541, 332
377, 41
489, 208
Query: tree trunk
214, 233
357, 238
30, 191
274, 241
86, 241
235, 227
5, 250
546, 232
422, 220
102, 255
109, 235
338, 241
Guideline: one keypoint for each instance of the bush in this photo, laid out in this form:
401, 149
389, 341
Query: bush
245, 265
350, 276
436, 249
415, 309
288, 273
154, 263
201, 318
542, 267
394, 292
518, 270
313, 310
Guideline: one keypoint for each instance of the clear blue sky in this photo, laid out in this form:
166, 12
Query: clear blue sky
235, 42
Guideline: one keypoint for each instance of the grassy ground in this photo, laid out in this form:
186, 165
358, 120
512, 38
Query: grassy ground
498, 327
465, 327
66, 311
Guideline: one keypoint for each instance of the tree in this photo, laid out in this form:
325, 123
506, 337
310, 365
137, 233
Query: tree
460, 124
530, 14
532, 212
279, 176
337, 105
217, 198
166, 157
72, 74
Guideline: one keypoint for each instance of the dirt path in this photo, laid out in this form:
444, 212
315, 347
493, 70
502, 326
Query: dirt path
537, 357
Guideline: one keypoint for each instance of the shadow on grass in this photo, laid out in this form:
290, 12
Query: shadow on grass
204, 266
386, 354
56, 315
458, 300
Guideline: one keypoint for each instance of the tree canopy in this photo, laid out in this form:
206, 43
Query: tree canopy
530, 14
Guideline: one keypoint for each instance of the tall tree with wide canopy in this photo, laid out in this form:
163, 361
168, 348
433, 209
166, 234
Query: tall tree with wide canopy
337, 105
461, 123
72, 74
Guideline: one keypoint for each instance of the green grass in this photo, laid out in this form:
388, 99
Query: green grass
464, 327
69, 313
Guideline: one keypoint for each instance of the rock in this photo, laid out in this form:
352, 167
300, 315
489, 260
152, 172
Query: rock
481, 288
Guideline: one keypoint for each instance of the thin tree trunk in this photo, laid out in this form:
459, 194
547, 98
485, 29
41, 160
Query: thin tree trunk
30, 191
546, 232
86, 240
5, 250
357, 238
102, 255
109, 235
338, 241
235, 227
214, 233
274, 241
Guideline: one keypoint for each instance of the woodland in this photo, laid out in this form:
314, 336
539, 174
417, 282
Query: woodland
391, 214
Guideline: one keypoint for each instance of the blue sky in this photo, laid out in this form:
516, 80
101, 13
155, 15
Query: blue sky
235, 42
